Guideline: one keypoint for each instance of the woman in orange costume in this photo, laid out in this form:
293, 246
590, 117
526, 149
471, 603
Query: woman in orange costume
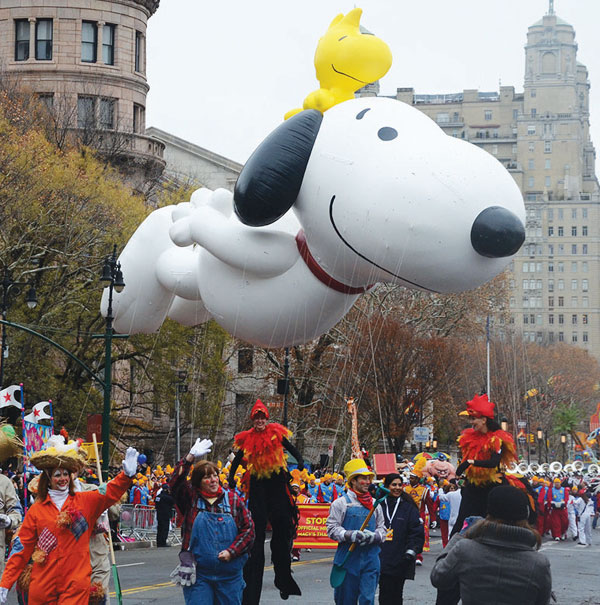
484, 447
57, 528
269, 500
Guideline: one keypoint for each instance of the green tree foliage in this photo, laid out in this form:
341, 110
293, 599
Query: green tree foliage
61, 211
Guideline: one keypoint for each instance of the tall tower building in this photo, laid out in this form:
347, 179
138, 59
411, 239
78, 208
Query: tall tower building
87, 62
542, 137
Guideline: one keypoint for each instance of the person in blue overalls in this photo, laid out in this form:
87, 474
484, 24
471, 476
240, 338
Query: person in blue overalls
217, 533
346, 515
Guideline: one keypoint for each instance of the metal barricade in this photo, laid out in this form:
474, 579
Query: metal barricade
138, 523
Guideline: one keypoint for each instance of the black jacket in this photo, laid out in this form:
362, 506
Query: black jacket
408, 535
164, 504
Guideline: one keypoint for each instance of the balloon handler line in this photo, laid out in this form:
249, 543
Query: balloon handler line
338, 572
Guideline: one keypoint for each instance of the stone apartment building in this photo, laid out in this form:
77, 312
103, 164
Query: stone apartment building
87, 62
541, 136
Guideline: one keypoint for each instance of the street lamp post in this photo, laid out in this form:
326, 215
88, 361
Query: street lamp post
180, 388
7, 284
563, 442
112, 278
540, 437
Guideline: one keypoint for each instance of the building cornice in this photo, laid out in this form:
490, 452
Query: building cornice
150, 6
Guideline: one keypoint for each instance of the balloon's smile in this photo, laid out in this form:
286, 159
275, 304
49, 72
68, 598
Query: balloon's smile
347, 75
364, 257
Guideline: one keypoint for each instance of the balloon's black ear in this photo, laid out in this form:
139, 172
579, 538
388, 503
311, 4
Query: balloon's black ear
271, 178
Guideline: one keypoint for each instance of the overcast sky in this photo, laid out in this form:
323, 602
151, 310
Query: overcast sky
223, 72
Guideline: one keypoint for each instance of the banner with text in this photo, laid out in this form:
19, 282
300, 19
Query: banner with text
312, 529
34, 438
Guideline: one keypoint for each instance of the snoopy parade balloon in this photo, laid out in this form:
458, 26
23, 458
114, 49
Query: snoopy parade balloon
329, 204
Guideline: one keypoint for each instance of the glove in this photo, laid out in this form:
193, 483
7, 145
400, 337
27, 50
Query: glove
409, 556
201, 447
185, 572
3, 593
5, 522
130, 462
354, 536
433, 524
370, 537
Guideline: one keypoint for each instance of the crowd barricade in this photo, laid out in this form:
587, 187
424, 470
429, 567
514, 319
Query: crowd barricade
138, 523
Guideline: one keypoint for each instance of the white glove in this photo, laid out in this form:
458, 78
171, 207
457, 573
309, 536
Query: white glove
370, 536
3, 595
185, 572
5, 521
201, 447
130, 462
354, 536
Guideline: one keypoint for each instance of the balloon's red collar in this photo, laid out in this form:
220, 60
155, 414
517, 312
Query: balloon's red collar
320, 273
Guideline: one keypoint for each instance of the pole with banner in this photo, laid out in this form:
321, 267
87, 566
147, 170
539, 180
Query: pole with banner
25, 498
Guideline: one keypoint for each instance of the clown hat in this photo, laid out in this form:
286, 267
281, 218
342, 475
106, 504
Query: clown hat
479, 407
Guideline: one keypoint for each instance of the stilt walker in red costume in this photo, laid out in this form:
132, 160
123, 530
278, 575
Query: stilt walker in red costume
269, 500
484, 448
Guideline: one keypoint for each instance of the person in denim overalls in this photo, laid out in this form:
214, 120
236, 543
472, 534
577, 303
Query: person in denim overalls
217, 581
346, 516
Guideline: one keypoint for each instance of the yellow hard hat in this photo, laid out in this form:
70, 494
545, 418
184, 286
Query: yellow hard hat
356, 466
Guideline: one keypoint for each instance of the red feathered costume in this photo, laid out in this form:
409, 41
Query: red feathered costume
269, 500
489, 451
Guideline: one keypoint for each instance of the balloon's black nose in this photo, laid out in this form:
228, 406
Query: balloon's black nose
497, 232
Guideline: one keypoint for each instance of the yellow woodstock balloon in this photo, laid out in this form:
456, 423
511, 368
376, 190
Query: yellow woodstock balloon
345, 60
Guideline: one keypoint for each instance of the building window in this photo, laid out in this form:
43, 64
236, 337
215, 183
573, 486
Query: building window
43, 39
561, 319
487, 114
89, 41
573, 284
139, 117
561, 301
584, 230
561, 231
574, 319
574, 301
530, 164
550, 285
550, 214
108, 44
574, 337
561, 249
550, 231
584, 285
584, 319
533, 93
573, 210
551, 319
547, 182
138, 51
533, 112
245, 361
547, 164
547, 146
561, 337
561, 269
585, 302
512, 302
86, 112
584, 266
530, 182
584, 248
526, 319
532, 146
550, 267
107, 114
531, 129
550, 337
574, 267
584, 337
47, 99
573, 248
22, 34
584, 213
574, 231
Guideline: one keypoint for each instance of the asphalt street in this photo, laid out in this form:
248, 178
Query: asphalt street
144, 575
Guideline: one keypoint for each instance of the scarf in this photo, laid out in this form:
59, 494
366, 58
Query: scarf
365, 499
210, 498
59, 496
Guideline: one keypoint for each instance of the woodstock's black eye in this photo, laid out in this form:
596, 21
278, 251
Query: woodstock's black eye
387, 134
362, 113
342, 38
